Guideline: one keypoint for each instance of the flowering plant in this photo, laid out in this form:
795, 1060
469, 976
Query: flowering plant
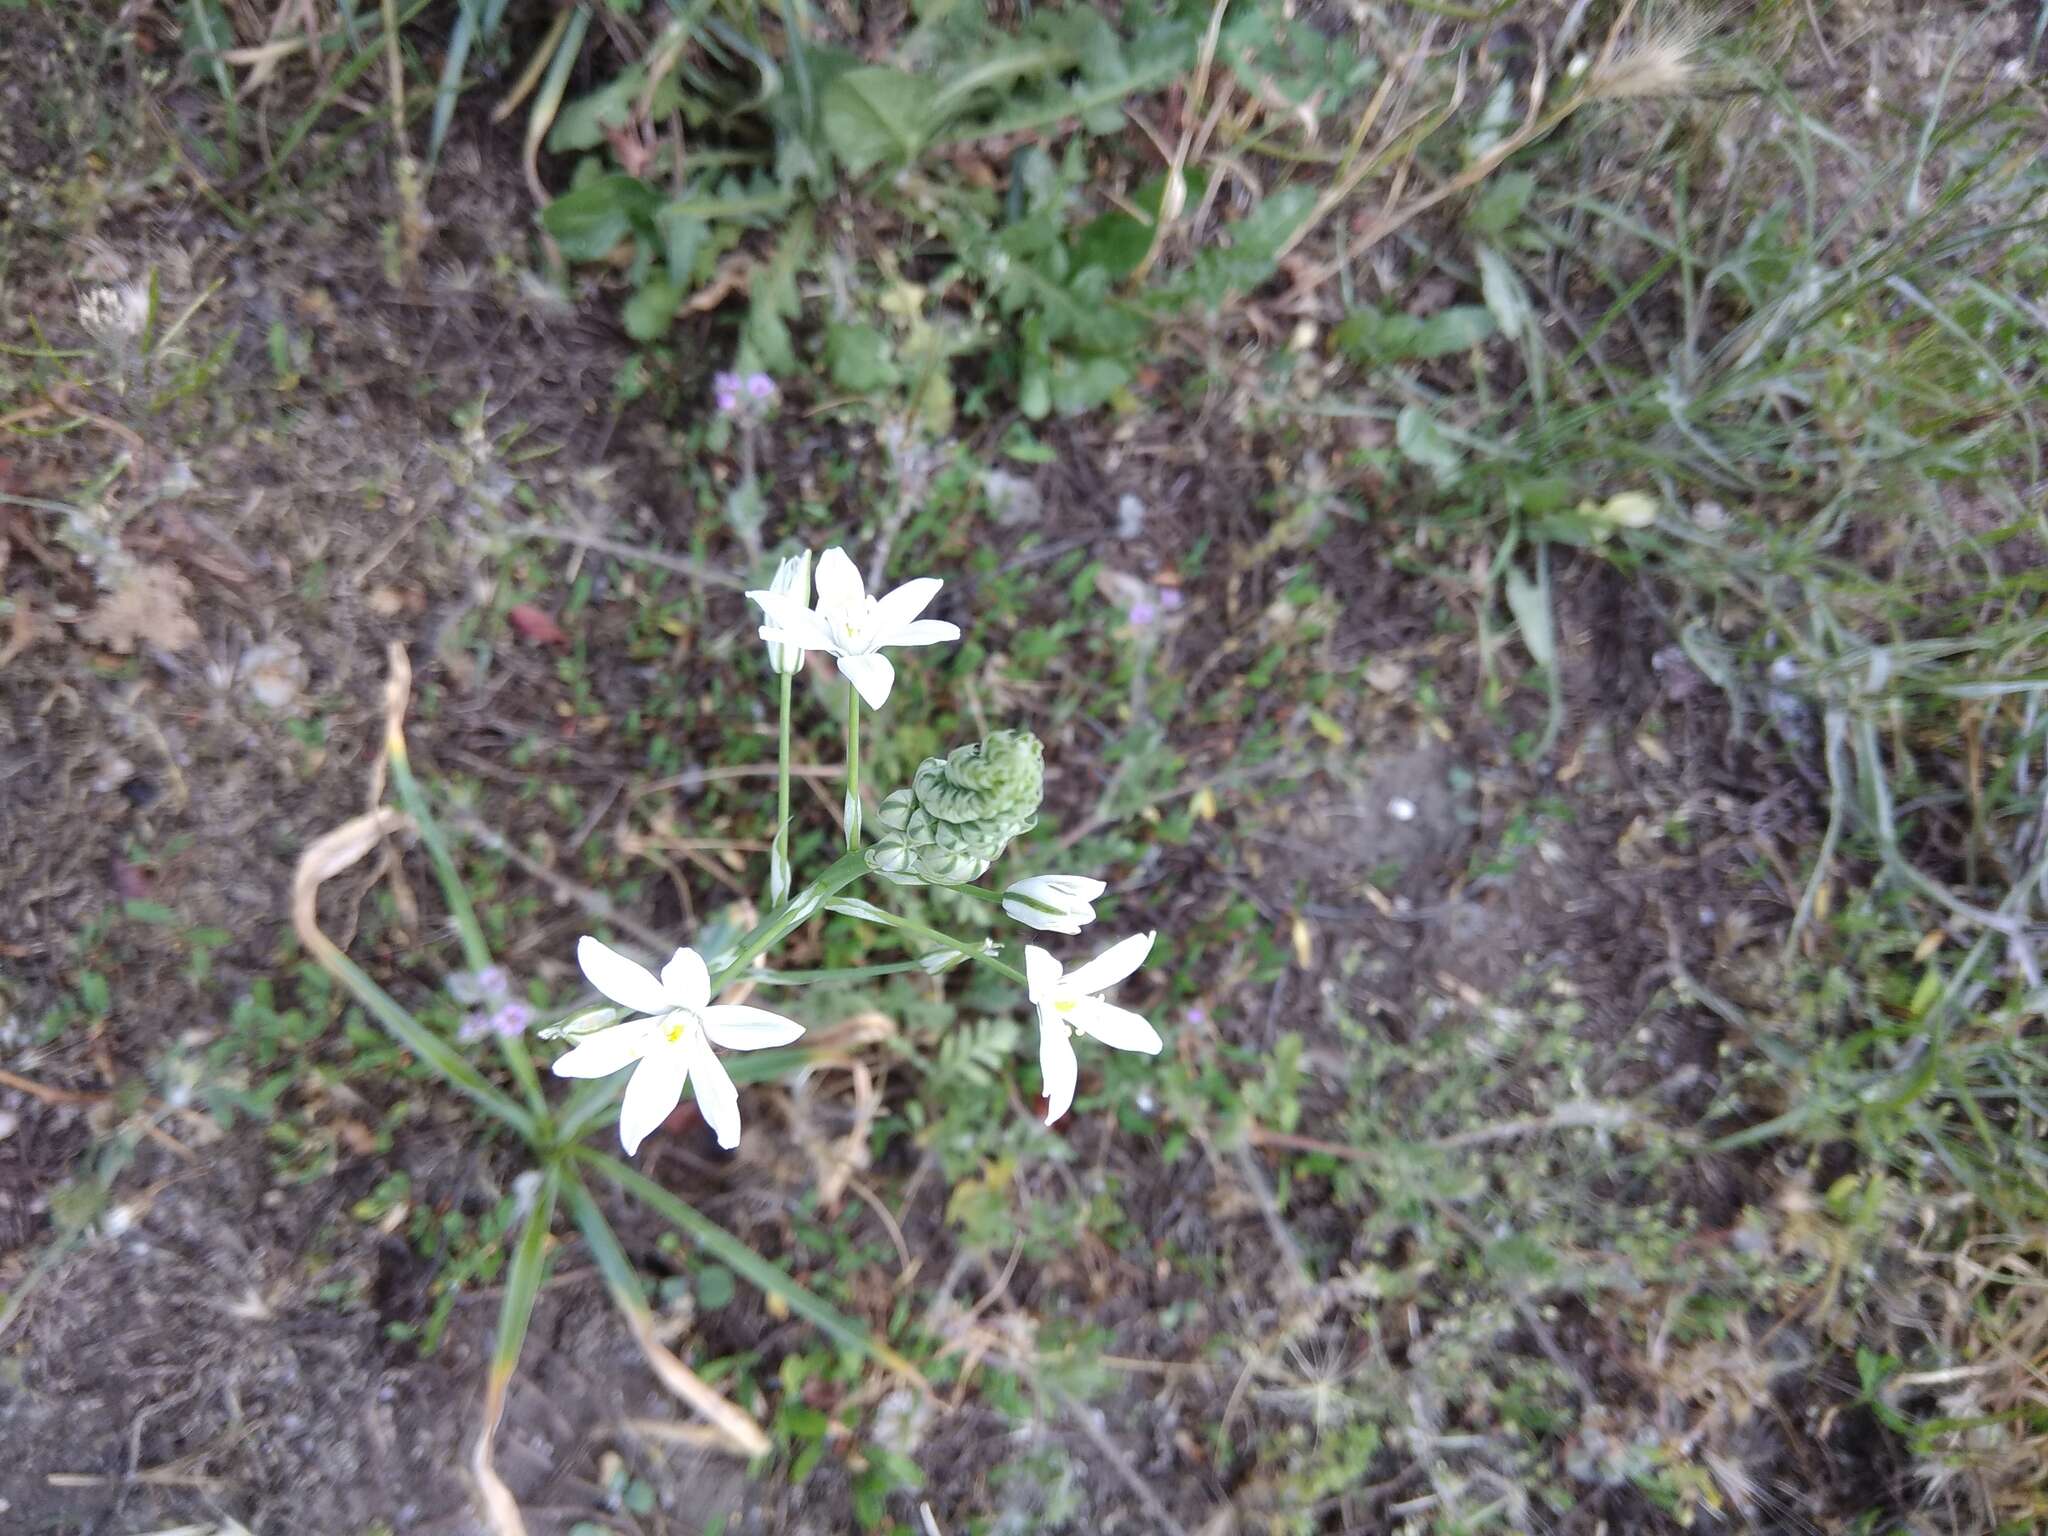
654, 1034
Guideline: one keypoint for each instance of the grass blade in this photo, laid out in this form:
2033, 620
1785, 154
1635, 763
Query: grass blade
522, 1289
735, 1255
476, 950
327, 856
733, 1422
450, 85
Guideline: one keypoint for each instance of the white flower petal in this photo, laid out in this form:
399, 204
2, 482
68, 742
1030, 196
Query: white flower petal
717, 1099
626, 982
871, 676
838, 582
1041, 974
654, 1091
788, 617
920, 632
604, 1052
905, 603
686, 981
1118, 1028
1080, 887
1056, 1064
1045, 922
1111, 966
748, 1029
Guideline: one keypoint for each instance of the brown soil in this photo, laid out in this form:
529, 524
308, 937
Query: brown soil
186, 1361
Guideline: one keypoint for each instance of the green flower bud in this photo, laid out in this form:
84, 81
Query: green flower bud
961, 811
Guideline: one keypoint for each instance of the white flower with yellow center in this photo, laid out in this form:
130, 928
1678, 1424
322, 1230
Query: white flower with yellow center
1069, 1004
671, 1044
853, 626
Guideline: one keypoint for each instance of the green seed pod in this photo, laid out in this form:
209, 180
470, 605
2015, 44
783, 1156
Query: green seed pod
960, 811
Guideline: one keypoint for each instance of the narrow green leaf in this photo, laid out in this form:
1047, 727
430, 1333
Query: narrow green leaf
1529, 601
523, 1278
620, 1277
460, 36
437, 1053
1506, 298
769, 1277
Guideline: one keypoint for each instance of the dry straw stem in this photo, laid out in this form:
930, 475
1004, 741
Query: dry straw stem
327, 856
734, 1427
500, 1508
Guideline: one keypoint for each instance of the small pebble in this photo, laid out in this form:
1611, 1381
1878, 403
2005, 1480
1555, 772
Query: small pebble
1401, 808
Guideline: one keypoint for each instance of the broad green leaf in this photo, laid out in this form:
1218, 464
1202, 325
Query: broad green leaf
860, 358
1423, 442
582, 123
1218, 273
1503, 201
1117, 242
875, 114
682, 237
1382, 336
593, 218
775, 299
1081, 384
651, 310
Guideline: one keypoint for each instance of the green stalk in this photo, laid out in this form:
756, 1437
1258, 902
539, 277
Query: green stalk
829, 973
852, 767
476, 950
770, 1277
870, 913
778, 856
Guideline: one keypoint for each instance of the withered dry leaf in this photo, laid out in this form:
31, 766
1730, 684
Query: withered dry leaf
147, 608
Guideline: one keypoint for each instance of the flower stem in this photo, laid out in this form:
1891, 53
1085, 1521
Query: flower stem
867, 912
778, 856
852, 767
832, 973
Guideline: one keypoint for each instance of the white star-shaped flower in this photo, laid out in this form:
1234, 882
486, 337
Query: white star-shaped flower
1068, 1005
671, 1044
853, 626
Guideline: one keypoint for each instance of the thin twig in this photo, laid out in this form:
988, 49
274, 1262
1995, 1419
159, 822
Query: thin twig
680, 564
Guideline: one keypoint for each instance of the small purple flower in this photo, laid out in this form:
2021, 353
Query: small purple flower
474, 1027
1169, 598
1196, 1016
1144, 612
511, 1018
760, 386
725, 389
489, 985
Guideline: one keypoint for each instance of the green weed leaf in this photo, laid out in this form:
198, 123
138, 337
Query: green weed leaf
876, 114
591, 220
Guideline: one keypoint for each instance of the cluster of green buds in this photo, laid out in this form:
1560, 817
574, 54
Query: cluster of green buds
961, 811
